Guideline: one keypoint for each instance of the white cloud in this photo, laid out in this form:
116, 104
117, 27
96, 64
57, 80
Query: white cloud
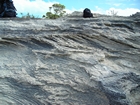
36, 7
73, 9
123, 12
120, 12
97, 10
40, 7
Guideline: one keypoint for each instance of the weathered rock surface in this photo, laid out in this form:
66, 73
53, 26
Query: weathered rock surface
70, 61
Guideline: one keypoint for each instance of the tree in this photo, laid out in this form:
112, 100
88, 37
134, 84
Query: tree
50, 8
58, 11
58, 8
27, 16
113, 13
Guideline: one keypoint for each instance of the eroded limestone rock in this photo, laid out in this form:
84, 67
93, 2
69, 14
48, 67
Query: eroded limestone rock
70, 61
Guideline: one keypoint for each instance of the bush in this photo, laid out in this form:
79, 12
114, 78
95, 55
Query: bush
27, 16
58, 11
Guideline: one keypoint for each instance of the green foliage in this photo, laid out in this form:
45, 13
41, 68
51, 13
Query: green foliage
27, 16
58, 8
58, 11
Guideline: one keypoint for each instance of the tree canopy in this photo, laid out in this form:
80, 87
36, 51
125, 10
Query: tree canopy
58, 11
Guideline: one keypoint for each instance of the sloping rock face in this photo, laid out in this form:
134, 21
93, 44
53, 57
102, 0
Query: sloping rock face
70, 61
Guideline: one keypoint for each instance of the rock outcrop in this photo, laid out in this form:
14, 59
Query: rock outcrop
70, 61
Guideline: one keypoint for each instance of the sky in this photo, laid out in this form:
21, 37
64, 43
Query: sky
39, 8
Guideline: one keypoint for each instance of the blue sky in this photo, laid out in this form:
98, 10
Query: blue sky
104, 4
40, 7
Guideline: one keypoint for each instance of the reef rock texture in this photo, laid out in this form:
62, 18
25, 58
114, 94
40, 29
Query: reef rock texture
70, 61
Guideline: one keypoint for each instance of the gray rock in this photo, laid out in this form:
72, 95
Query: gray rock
136, 15
70, 61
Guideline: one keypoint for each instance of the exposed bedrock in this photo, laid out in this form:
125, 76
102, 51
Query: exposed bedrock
70, 61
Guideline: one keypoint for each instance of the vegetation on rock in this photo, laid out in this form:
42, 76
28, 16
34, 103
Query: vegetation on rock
58, 11
28, 15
